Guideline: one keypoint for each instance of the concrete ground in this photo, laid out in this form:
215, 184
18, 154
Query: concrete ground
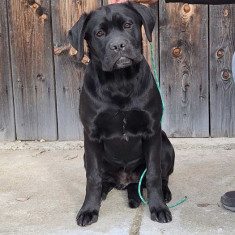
42, 186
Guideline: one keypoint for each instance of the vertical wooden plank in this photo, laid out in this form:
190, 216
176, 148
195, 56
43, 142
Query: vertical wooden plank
32, 71
68, 71
7, 125
184, 69
222, 48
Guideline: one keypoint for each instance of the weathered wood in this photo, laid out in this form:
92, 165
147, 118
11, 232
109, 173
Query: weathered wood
68, 71
32, 70
184, 69
7, 124
222, 87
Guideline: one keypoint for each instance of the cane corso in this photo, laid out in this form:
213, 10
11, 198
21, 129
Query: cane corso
121, 110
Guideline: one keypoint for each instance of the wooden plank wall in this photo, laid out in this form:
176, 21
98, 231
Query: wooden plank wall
222, 88
7, 123
32, 70
184, 69
41, 80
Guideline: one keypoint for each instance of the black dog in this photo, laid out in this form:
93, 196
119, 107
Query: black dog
120, 108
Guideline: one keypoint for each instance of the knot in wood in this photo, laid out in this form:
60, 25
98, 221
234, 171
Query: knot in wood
176, 52
220, 53
40, 77
85, 59
186, 8
35, 6
226, 12
225, 75
43, 17
73, 51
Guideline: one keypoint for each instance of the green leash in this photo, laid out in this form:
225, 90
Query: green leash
156, 77
163, 108
143, 200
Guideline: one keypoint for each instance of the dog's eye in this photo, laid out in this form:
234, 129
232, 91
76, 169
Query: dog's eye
100, 33
127, 25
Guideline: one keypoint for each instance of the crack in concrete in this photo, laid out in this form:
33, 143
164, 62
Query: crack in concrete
136, 224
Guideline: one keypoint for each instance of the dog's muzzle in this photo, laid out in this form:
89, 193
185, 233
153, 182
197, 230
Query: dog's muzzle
120, 53
123, 62
119, 47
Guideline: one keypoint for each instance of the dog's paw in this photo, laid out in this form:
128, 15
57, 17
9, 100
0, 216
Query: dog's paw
161, 215
134, 203
87, 217
166, 194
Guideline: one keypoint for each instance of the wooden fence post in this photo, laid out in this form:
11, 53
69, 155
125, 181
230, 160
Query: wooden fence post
183, 32
222, 86
7, 124
32, 70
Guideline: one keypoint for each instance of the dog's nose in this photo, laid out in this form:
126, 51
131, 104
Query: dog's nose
118, 45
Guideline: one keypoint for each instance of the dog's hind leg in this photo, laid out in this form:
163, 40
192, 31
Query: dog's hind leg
106, 188
167, 165
167, 169
165, 190
133, 197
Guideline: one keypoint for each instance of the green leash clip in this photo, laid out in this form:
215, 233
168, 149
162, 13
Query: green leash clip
163, 108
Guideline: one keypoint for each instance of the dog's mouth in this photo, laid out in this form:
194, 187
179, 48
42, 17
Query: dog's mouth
120, 62
123, 62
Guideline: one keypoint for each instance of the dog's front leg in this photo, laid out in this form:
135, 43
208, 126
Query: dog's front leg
158, 209
88, 214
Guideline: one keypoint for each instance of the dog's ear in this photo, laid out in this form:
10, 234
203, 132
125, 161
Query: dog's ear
77, 34
148, 18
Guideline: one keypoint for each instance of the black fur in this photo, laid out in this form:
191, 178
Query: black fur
120, 108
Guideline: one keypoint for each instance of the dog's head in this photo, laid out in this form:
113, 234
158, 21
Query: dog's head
113, 34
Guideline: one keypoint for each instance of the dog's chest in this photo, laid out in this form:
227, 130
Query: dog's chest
122, 124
